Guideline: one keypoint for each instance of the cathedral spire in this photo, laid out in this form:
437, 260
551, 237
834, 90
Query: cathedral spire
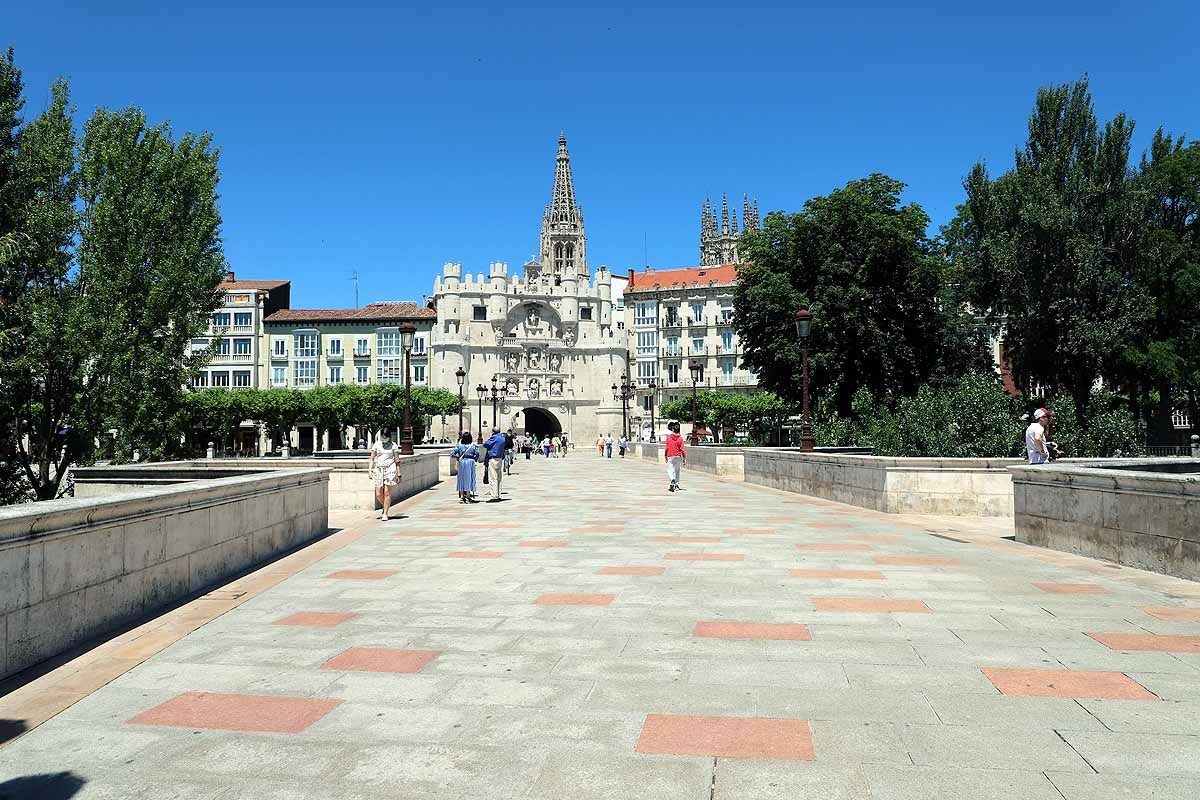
724, 214
747, 217
562, 241
563, 207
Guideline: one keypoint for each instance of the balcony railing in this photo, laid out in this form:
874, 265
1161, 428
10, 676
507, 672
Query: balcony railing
338, 356
240, 357
278, 356
243, 329
360, 352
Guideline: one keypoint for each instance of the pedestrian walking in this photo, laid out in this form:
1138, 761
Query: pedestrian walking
493, 463
1035, 439
622, 443
565, 445
384, 470
526, 446
608, 446
546, 447
466, 452
600, 444
510, 450
676, 455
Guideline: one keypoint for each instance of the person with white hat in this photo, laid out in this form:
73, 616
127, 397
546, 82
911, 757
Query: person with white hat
1035, 438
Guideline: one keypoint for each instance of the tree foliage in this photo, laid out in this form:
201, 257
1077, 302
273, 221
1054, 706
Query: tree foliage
884, 320
760, 414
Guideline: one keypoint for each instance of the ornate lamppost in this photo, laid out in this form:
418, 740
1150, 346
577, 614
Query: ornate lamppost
481, 392
694, 367
495, 398
623, 392
803, 329
407, 331
461, 375
653, 399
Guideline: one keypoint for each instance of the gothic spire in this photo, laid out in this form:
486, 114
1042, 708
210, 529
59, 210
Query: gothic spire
757, 221
733, 228
724, 214
563, 207
747, 217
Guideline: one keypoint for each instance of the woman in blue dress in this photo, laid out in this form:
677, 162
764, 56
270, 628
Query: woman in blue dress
466, 454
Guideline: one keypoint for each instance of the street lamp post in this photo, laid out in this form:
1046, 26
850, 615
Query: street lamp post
623, 393
495, 397
407, 331
803, 329
461, 375
481, 392
694, 368
653, 399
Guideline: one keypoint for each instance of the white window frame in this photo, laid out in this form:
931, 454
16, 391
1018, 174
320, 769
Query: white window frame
279, 376
335, 376
362, 375
279, 347
239, 375
306, 347
335, 346
220, 379
418, 373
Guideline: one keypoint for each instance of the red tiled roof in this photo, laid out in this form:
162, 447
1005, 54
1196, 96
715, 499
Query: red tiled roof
371, 311
725, 274
251, 284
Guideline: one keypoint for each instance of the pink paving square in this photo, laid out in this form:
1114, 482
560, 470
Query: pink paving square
557, 599
877, 537
476, 554
361, 574
632, 571
381, 659
687, 538
315, 619
848, 574
917, 561
750, 532
726, 737
704, 556
833, 547
542, 544
828, 525
1148, 642
427, 533
237, 712
1067, 683
1172, 613
884, 606
1071, 588
751, 630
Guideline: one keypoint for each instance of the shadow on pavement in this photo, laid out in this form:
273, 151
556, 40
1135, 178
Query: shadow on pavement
47, 786
11, 729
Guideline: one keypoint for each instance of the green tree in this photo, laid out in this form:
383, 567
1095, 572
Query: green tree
1048, 247
883, 318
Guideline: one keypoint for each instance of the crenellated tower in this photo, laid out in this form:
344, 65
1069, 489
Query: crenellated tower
563, 244
719, 239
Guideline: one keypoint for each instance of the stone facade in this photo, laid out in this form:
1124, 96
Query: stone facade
550, 339
719, 240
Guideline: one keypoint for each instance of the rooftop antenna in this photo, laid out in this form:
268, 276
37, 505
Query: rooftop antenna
354, 277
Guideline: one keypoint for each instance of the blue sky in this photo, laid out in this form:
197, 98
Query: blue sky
390, 138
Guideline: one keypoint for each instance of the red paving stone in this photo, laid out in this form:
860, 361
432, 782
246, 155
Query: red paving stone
704, 556
1172, 613
877, 537
851, 574
1067, 683
427, 533
1071, 588
557, 599
833, 547
632, 571
381, 659
361, 574
726, 737
750, 532
476, 554
751, 630
828, 525
315, 619
237, 712
1148, 642
869, 605
687, 538
542, 544
917, 561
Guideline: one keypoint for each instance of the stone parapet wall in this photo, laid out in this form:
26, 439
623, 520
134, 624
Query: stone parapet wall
74, 569
350, 484
724, 462
1127, 513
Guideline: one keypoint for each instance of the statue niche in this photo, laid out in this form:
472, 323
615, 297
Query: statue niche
533, 321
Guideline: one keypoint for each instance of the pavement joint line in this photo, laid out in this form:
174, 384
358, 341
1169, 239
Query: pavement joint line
1076, 752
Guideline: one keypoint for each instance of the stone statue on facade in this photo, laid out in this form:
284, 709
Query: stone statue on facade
569, 338
533, 319
512, 361
534, 389
555, 362
535, 358
512, 386
556, 388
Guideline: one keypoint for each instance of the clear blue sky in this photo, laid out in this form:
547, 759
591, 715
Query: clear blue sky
389, 139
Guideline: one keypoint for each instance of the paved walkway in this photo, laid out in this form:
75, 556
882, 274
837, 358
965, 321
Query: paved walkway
597, 637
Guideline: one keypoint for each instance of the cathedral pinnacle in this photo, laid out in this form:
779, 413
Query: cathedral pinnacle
562, 240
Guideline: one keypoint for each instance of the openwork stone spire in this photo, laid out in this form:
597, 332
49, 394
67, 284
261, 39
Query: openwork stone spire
719, 237
563, 241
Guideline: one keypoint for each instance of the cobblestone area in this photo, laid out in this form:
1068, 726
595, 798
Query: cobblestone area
596, 637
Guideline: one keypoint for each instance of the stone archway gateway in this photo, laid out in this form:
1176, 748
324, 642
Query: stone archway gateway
541, 423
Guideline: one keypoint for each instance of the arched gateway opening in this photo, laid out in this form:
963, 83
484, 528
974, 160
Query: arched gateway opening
541, 423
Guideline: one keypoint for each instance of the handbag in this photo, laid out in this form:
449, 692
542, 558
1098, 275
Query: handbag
485, 470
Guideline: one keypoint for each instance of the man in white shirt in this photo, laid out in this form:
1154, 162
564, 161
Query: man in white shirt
384, 469
1035, 439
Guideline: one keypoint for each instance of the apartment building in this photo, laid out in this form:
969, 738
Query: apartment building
676, 316
235, 330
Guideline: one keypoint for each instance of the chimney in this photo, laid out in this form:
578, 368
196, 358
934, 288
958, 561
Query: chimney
229, 275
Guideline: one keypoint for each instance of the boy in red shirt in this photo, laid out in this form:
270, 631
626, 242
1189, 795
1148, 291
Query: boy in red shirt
676, 455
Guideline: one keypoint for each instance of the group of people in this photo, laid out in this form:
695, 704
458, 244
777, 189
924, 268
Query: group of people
604, 445
1039, 447
549, 446
496, 454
